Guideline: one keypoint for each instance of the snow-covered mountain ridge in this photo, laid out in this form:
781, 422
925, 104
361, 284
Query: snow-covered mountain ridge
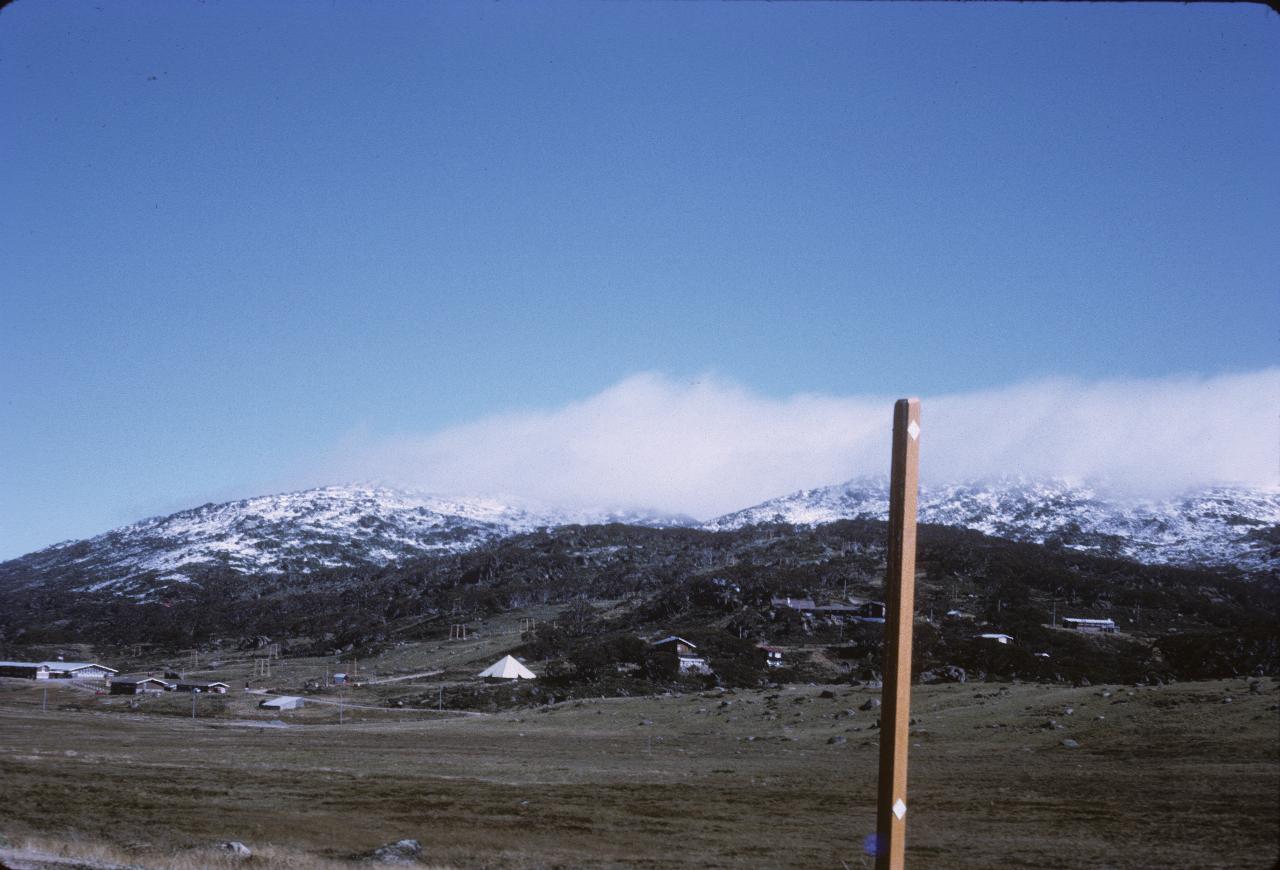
1217, 526
369, 526
298, 532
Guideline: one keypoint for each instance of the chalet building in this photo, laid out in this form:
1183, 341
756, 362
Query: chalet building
80, 671
56, 670
772, 655
138, 686
1103, 626
202, 686
994, 637
872, 611
862, 611
678, 657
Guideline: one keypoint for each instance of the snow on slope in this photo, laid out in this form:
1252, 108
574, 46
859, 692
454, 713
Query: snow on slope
1217, 526
297, 532
362, 526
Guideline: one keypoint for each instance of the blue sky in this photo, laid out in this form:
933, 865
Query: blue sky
239, 239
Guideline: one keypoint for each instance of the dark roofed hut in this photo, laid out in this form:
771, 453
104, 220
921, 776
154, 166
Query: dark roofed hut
137, 685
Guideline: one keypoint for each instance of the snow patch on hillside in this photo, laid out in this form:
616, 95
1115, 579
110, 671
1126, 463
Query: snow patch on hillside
1215, 527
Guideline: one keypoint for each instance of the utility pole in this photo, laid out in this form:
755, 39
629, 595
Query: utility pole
44, 702
194, 695
895, 715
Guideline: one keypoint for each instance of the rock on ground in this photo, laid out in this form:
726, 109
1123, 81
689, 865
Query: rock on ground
402, 852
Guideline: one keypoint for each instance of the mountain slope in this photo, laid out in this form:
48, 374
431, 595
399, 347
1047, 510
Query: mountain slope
360, 527
331, 527
1220, 526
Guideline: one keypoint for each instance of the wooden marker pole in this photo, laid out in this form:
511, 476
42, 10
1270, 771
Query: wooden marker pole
900, 582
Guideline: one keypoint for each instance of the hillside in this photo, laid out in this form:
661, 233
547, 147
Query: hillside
356, 528
714, 586
293, 533
1219, 526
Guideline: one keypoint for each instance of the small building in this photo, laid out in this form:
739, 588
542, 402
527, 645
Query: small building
994, 637
1104, 626
284, 702
340, 679
678, 656
137, 686
202, 686
772, 655
872, 611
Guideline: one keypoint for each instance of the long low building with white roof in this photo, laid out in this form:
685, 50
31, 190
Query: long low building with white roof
58, 670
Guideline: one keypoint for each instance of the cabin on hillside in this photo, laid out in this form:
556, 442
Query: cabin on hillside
676, 657
137, 686
856, 611
1100, 626
203, 686
994, 637
772, 655
872, 611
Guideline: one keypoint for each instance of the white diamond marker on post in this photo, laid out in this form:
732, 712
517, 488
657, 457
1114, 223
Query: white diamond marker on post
899, 808
914, 430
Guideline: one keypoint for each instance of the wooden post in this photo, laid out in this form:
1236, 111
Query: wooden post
900, 581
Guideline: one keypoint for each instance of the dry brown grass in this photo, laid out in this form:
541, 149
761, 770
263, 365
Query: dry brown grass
1170, 777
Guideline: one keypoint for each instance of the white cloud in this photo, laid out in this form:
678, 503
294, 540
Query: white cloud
711, 446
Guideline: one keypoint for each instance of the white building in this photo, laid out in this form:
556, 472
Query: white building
284, 702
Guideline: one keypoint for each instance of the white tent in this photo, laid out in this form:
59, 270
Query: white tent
507, 668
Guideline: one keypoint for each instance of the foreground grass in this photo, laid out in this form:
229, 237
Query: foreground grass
1169, 776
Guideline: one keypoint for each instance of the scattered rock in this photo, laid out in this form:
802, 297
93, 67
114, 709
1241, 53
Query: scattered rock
1227, 700
646, 721
235, 847
826, 693
870, 704
1067, 711
1051, 725
837, 739
1099, 718
1070, 744
403, 852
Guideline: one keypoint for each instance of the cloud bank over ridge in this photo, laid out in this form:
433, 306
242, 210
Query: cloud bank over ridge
711, 446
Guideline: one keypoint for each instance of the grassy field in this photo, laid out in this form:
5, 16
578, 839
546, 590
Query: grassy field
1163, 777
